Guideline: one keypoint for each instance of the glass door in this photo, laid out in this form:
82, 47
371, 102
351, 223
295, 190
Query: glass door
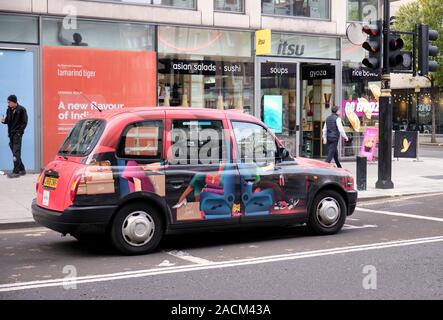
18, 76
278, 101
318, 96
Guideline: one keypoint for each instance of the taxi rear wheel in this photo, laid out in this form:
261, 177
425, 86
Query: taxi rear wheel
136, 229
328, 213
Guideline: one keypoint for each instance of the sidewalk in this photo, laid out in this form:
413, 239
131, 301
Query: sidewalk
15, 197
409, 177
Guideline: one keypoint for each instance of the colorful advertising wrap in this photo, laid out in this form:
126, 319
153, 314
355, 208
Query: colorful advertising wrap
368, 147
77, 81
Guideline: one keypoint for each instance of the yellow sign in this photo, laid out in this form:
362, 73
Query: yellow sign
263, 42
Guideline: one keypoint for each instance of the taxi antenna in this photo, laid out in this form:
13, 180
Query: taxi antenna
92, 103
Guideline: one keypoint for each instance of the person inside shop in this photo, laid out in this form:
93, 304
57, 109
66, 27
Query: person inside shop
332, 131
17, 119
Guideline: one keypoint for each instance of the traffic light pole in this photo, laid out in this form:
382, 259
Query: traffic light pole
385, 126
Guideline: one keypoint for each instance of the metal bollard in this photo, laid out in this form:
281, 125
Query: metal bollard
362, 173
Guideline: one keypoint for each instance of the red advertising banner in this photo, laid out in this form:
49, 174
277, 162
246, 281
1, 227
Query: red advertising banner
75, 80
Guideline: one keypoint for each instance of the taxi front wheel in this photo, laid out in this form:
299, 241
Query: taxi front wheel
328, 213
136, 229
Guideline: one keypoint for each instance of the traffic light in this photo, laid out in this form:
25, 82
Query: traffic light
395, 55
426, 50
373, 45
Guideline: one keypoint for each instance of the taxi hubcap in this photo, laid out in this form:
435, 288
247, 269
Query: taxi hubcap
328, 212
138, 228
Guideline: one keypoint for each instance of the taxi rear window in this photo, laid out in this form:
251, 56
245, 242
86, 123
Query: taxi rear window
82, 138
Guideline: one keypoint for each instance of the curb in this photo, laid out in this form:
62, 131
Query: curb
18, 225
391, 197
431, 144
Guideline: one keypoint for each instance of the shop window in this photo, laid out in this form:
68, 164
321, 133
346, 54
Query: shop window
279, 101
142, 141
318, 9
18, 29
185, 4
360, 104
208, 83
97, 34
318, 97
362, 10
99, 65
205, 68
229, 5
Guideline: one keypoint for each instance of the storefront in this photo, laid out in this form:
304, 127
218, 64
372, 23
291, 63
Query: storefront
360, 104
296, 86
205, 68
19, 74
95, 66
412, 110
68, 73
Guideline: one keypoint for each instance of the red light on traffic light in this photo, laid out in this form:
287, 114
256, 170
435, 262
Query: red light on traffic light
369, 31
396, 44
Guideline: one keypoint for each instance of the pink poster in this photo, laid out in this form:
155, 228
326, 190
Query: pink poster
361, 107
369, 145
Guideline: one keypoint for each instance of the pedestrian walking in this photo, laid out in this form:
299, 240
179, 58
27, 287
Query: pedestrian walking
332, 131
17, 119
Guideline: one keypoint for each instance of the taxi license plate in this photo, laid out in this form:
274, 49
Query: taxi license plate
50, 182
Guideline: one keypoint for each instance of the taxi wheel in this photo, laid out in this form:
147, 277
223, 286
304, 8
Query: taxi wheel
137, 228
328, 213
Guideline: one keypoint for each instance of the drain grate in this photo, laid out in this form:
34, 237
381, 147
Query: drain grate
434, 177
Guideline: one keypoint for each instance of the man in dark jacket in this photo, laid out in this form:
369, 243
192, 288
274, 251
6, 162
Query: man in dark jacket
332, 131
17, 120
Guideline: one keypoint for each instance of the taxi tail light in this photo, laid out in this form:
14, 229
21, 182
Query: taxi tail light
74, 187
78, 178
350, 183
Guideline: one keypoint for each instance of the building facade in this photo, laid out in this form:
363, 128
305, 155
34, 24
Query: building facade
65, 59
414, 98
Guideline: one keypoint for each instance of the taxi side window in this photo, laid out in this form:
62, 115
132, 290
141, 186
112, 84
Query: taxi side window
142, 140
254, 143
197, 142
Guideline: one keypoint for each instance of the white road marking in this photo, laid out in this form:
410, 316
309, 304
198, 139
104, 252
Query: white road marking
404, 215
166, 263
35, 234
27, 230
187, 257
365, 226
215, 265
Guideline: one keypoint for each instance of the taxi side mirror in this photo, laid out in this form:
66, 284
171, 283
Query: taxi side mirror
283, 154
